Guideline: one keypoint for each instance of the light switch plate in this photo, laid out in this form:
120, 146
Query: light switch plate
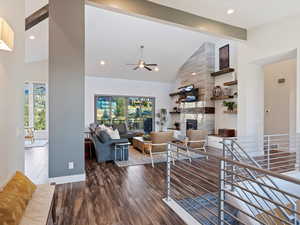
71, 165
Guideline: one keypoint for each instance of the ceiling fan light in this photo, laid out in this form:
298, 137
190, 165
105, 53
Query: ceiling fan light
156, 69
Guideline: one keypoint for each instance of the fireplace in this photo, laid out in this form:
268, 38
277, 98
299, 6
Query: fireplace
191, 124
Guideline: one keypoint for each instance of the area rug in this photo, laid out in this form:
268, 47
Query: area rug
138, 158
203, 209
35, 144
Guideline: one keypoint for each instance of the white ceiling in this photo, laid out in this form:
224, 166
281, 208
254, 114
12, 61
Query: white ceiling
247, 14
116, 38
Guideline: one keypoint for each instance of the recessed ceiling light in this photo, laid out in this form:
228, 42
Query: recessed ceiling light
194, 74
31, 37
230, 11
102, 62
156, 69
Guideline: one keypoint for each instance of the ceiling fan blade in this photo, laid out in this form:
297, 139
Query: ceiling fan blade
136, 68
151, 64
147, 68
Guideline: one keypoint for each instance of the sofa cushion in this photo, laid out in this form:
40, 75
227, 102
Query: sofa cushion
122, 128
38, 209
103, 136
12, 208
114, 134
93, 126
20, 185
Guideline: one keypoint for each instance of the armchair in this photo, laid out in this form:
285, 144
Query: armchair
197, 140
159, 143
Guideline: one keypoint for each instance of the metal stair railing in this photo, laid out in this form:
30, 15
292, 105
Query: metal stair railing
228, 187
232, 147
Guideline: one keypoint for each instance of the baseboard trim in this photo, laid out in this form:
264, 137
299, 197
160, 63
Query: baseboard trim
184, 215
67, 179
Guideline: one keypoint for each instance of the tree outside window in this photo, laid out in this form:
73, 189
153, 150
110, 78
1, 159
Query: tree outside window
35, 106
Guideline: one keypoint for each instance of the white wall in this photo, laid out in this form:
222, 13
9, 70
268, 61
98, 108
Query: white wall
280, 98
263, 42
11, 92
108, 86
224, 120
37, 71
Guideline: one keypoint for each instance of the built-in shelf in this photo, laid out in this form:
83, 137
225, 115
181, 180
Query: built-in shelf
174, 112
221, 98
198, 110
231, 83
221, 72
230, 112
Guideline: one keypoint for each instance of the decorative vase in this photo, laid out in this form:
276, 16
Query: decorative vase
217, 91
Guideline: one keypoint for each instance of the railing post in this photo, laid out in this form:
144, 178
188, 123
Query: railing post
232, 167
222, 187
268, 153
168, 180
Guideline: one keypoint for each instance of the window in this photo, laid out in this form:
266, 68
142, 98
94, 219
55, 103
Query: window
137, 112
39, 106
26, 105
35, 106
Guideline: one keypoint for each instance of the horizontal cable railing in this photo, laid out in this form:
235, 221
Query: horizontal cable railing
279, 152
216, 187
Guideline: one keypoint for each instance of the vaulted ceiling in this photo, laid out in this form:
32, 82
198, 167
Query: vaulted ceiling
116, 38
248, 14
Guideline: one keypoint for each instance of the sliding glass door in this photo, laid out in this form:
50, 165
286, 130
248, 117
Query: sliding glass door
136, 112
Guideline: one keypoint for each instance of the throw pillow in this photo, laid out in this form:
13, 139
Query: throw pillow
20, 185
114, 134
104, 136
12, 208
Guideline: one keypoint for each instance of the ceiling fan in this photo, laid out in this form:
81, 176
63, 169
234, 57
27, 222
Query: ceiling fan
142, 64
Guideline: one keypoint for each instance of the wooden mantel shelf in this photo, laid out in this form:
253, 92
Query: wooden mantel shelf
221, 72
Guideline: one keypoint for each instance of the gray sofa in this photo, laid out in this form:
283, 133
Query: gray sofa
105, 146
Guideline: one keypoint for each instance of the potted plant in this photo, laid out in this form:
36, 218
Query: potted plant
231, 106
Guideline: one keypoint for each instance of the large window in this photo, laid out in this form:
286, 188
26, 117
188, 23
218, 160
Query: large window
35, 106
137, 112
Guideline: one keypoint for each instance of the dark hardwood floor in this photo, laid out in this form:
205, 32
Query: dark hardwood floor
115, 196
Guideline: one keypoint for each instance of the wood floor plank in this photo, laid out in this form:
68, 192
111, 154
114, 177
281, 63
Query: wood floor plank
115, 196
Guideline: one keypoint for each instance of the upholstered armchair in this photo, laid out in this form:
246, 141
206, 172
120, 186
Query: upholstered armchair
196, 139
159, 143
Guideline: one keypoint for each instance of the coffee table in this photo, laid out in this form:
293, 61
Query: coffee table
140, 144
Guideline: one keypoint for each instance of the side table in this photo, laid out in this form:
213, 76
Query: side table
122, 147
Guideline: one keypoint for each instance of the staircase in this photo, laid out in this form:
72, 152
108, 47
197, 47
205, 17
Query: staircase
276, 162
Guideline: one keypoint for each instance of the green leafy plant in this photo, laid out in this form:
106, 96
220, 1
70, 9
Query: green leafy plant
231, 106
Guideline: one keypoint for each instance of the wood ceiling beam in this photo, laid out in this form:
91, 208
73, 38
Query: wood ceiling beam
37, 17
153, 11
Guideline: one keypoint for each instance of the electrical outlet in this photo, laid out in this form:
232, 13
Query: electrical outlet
71, 165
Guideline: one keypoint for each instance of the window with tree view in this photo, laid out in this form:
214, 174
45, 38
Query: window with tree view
136, 112
39, 99
35, 106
